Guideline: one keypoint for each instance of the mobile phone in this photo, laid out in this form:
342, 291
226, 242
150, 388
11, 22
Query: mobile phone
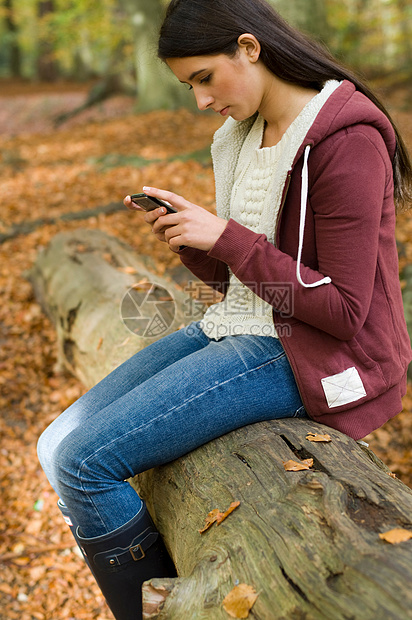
148, 203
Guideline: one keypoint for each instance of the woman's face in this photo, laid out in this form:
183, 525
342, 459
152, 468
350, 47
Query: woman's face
228, 86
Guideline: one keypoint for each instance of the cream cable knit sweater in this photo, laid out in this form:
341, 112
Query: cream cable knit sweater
249, 185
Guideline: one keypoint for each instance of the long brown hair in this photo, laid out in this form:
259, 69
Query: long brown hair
210, 27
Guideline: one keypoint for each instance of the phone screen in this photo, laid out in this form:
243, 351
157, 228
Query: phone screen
148, 203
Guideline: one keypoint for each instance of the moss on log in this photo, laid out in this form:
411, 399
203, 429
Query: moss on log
307, 541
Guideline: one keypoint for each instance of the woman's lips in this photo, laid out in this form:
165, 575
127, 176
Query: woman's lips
224, 111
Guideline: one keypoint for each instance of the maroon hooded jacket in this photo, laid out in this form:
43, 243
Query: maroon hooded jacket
346, 340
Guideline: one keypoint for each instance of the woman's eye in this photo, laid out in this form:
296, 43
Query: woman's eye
204, 80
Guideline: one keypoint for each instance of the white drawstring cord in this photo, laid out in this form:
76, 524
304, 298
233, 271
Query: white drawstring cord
303, 203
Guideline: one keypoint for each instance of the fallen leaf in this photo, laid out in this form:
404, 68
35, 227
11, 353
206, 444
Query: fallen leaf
37, 572
38, 505
143, 285
240, 601
124, 343
6, 588
318, 437
34, 526
215, 516
130, 270
210, 519
99, 344
18, 548
297, 466
396, 535
222, 516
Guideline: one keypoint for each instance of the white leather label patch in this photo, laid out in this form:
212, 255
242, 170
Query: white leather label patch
68, 520
343, 388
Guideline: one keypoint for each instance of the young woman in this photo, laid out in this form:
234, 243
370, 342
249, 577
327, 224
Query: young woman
308, 167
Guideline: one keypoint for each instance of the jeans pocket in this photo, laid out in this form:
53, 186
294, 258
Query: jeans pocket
300, 413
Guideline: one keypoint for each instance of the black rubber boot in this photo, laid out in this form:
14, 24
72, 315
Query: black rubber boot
73, 525
123, 559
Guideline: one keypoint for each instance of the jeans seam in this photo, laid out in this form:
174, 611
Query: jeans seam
176, 408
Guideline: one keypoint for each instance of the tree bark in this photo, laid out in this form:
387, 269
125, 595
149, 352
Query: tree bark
307, 541
310, 17
46, 64
81, 280
157, 86
11, 29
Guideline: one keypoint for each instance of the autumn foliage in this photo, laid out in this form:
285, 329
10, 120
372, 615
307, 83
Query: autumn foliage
97, 159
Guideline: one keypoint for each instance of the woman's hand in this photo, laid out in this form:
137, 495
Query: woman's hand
192, 226
153, 215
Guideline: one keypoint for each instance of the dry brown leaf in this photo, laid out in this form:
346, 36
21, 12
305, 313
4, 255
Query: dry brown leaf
215, 516
130, 270
166, 298
318, 437
240, 601
143, 285
396, 536
210, 519
124, 343
222, 516
34, 526
297, 466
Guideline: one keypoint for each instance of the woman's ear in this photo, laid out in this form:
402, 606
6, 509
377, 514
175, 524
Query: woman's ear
250, 44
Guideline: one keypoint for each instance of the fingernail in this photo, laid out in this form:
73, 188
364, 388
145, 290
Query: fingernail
146, 189
162, 210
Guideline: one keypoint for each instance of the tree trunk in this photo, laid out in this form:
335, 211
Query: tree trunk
307, 541
157, 86
46, 64
406, 30
11, 37
310, 17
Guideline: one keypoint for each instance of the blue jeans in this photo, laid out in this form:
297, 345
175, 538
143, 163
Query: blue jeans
173, 396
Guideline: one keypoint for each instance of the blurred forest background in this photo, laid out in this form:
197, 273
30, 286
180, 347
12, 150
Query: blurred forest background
88, 115
77, 40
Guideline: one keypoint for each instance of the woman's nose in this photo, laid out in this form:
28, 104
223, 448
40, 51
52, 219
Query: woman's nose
204, 101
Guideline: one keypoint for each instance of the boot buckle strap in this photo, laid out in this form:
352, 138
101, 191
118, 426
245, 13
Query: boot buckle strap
137, 548
114, 558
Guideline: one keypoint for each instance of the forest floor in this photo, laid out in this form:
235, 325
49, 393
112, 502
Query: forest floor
45, 172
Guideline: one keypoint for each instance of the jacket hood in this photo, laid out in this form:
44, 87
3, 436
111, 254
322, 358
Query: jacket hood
344, 108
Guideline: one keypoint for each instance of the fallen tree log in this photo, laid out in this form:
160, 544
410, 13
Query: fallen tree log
105, 301
307, 541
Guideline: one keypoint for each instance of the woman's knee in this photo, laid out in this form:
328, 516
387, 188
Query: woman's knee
61, 460
49, 448
80, 464
46, 444
46, 447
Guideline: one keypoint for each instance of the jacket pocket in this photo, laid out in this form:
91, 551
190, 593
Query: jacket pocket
332, 375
